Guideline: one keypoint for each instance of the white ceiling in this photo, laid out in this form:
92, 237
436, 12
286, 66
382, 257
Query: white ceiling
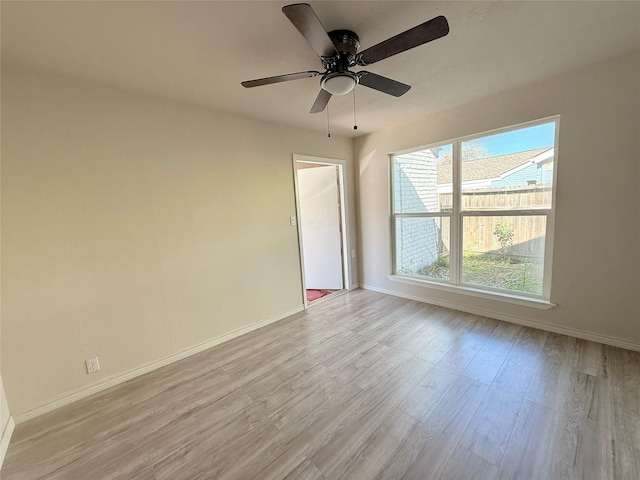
200, 51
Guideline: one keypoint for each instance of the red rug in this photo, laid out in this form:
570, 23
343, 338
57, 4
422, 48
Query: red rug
316, 294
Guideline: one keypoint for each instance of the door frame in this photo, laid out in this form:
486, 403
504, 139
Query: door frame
344, 220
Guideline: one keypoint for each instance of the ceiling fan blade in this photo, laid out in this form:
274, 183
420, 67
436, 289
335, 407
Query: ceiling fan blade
279, 78
431, 30
321, 101
305, 20
383, 84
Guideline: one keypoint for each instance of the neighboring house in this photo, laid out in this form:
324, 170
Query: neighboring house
532, 167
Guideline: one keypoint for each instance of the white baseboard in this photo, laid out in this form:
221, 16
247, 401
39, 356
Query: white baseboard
114, 380
6, 437
572, 332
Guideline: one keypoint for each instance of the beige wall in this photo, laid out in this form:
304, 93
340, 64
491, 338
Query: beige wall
596, 279
4, 406
135, 228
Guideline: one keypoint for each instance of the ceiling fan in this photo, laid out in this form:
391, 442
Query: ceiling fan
338, 51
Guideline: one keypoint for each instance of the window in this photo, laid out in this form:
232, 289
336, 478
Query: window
477, 212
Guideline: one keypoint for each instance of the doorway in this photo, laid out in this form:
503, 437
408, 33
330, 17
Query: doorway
321, 227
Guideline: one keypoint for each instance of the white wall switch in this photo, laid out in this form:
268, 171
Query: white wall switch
292, 221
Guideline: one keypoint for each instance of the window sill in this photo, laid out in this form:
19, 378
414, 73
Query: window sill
476, 292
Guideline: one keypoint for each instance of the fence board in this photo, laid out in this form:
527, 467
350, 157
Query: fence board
529, 231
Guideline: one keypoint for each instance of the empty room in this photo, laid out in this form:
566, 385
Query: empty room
330, 240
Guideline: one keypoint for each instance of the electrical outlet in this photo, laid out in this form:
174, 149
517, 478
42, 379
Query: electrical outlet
93, 365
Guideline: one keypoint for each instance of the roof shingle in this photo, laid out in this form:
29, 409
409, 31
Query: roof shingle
486, 168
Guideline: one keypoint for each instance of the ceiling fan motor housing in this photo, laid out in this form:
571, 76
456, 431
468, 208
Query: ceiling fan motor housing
345, 41
347, 44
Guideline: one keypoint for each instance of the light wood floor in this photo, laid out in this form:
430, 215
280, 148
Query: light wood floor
364, 386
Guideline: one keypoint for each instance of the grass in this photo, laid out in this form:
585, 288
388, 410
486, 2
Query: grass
438, 269
491, 271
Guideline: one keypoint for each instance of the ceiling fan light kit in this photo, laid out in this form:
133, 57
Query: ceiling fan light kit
339, 83
338, 52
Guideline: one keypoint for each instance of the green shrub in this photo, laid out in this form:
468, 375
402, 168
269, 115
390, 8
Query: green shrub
505, 234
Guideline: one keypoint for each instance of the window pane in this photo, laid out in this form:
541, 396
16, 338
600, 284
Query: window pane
418, 180
422, 246
509, 171
504, 252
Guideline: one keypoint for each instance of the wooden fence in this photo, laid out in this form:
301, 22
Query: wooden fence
529, 230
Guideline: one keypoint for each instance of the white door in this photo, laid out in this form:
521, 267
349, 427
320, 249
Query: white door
320, 226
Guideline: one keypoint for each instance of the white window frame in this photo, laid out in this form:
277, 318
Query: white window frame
457, 215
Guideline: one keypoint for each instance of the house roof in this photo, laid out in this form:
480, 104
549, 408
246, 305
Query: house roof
491, 167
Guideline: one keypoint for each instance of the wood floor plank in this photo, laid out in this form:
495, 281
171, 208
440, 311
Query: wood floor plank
465, 464
624, 394
440, 434
305, 471
288, 466
336, 455
213, 453
391, 359
164, 433
381, 445
531, 449
330, 394
465, 349
406, 454
591, 358
485, 365
584, 439
437, 348
551, 379
426, 396
489, 430
362, 386
416, 328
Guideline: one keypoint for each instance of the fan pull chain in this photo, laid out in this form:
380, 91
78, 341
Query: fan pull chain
328, 131
355, 123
